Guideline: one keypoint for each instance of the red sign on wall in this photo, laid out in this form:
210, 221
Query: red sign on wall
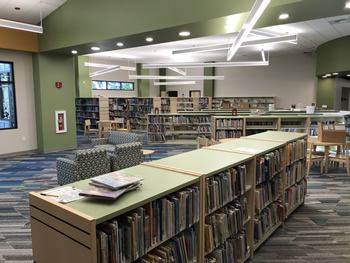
58, 84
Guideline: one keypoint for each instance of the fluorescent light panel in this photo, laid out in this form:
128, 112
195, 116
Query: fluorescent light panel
257, 10
98, 65
104, 71
174, 83
177, 77
178, 70
21, 26
271, 40
263, 55
211, 64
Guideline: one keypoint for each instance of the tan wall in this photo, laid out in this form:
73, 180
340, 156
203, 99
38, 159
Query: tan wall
18, 40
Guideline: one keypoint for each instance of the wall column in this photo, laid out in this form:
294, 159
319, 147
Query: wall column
48, 69
325, 92
209, 85
83, 80
142, 84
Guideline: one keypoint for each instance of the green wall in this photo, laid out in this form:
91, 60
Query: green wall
142, 84
325, 92
334, 56
49, 69
83, 80
209, 85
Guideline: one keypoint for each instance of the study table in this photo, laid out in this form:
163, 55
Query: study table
113, 125
326, 145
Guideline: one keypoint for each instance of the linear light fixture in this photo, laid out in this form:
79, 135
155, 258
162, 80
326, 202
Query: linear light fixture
177, 77
170, 83
98, 65
209, 64
263, 55
257, 10
104, 71
277, 39
178, 70
21, 26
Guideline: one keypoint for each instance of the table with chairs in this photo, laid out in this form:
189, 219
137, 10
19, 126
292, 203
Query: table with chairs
107, 126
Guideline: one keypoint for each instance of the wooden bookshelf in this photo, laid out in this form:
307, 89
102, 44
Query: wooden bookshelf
94, 109
73, 226
245, 102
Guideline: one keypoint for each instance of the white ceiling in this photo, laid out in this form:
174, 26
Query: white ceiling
29, 9
311, 34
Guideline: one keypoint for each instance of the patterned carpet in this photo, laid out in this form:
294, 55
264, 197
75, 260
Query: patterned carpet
319, 231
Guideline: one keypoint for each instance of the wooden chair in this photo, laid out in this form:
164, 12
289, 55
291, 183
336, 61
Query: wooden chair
88, 130
105, 127
128, 127
202, 141
342, 157
313, 158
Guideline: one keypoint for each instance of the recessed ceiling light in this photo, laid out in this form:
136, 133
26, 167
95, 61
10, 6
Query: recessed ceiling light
283, 16
184, 33
335, 73
324, 76
120, 44
328, 75
149, 39
348, 75
17, 8
74, 52
95, 48
347, 5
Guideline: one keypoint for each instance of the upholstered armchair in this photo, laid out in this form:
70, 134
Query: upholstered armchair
87, 164
116, 138
126, 155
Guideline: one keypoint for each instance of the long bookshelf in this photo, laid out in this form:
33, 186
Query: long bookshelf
213, 184
245, 102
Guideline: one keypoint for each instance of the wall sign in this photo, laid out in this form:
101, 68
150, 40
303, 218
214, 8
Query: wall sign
58, 84
61, 122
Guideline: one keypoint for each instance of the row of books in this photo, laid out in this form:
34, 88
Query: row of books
87, 101
156, 128
185, 119
131, 101
233, 250
229, 123
205, 129
259, 123
268, 166
267, 193
323, 122
268, 218
224, 187
145, 108
181, 248
87, 108
225, 223
295, 151
158, 119
295, 194
227, 134
184, 99
131, 235
295, 172
292, 123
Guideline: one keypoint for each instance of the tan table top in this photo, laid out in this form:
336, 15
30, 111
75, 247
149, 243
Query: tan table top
147, 152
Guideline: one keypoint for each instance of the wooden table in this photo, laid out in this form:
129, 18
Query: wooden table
326, 145
114, 125
227, 140
147, 152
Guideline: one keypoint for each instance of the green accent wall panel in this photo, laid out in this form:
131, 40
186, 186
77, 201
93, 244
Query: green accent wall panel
83, 80
103, 210
48, 69
142, 84
209, 85
325, 92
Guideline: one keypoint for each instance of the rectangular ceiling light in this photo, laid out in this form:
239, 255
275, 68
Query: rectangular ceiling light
98, 65
257, 10
277, 39
104, 71
263, 55
21, 26
177, 77
174, 83
209, 64
177, 71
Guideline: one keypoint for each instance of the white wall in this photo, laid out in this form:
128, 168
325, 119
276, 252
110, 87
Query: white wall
24, 137
290, 78
119, 75
185, 89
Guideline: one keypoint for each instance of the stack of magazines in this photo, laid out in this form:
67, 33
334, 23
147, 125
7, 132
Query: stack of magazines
111, 185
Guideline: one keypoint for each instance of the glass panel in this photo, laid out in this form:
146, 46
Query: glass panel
96, 84
113, 85
127, 86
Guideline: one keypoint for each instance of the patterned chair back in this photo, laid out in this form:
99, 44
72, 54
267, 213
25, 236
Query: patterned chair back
122, 137
92, 162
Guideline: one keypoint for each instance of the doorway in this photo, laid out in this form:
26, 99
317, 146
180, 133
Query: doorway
344, 102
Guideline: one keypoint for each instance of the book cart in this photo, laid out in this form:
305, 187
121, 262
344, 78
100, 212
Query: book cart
195, 202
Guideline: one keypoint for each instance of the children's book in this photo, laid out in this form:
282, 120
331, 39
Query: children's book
115, 180
105, 193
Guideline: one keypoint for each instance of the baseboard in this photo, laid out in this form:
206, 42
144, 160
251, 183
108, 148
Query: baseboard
59, 149
18, 153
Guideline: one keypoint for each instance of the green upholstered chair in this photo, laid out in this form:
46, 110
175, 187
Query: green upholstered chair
87, 164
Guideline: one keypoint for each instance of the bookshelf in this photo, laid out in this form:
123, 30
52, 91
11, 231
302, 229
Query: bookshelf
94, 109
294, 124
227, 127
324, 119
245, 102
190, 178
258, 124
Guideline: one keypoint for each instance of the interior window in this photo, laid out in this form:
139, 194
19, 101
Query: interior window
8, 118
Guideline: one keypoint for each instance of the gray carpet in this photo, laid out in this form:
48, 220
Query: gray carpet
319, 231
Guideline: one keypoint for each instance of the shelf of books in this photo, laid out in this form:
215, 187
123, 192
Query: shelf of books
294, 124
324, 119
258, 124
217, 202
245, 102
92, 109
227, 127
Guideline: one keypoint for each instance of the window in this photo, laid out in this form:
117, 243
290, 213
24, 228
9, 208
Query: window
8, 118
112, 85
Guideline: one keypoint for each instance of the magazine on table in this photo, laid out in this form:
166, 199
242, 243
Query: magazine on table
105, 193
114, 180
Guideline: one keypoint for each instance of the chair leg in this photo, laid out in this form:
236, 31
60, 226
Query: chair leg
347, 169
321, 167
308, 168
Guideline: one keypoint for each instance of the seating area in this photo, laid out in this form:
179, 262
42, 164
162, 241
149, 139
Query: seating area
120, 150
